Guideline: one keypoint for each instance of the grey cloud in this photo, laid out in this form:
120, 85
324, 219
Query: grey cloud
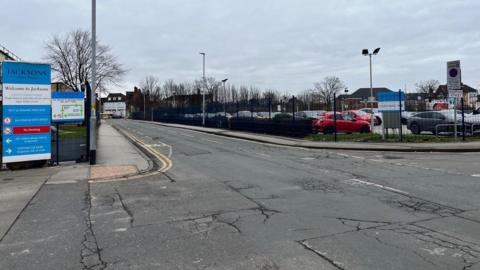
281, 44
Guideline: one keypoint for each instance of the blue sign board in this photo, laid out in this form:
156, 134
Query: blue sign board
26, 115
390, 101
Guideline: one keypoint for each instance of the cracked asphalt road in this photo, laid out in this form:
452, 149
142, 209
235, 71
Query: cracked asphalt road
233, 204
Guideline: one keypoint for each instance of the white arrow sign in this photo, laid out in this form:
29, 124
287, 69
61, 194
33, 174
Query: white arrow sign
9, 151
9, 141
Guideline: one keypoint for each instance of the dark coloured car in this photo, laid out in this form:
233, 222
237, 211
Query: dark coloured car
434, 122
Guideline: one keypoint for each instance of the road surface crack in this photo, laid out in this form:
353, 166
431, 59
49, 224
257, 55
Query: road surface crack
266, 212
90, 252
125, 208
322, 255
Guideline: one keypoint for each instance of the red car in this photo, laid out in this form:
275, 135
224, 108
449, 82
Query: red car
345, 124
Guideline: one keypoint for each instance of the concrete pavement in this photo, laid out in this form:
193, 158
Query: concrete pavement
43, 211
360, 146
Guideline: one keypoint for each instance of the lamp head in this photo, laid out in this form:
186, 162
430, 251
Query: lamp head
365, 52
376, 51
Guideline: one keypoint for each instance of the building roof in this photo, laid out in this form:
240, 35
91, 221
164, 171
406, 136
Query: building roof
466, 89
6, 54
115, 97
364, 93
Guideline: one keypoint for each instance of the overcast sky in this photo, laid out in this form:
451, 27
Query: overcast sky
282, 44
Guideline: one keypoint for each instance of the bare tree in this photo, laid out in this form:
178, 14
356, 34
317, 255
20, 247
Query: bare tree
330, 86
428, 87
70, 57
151, 87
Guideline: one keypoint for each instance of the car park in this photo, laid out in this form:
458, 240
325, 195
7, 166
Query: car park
344, 123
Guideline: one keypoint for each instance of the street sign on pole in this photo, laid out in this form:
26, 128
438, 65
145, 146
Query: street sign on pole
26, 112
68, 107
454, 79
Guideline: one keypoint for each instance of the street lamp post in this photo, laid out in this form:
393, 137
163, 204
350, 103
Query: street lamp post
93, 99
365, 52
203, 92
224, 97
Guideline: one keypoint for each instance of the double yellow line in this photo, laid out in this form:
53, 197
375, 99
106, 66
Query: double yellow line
166, 162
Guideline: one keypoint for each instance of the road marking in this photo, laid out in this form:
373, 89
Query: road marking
308, 158
166, 162
475, 175
264, 155
121, 230
357, 157
186, 135
358, 181
376, 160
208, 140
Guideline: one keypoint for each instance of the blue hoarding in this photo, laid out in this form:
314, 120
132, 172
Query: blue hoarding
26, 115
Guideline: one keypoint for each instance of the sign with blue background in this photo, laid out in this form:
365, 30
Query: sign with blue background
26, 112
390, 101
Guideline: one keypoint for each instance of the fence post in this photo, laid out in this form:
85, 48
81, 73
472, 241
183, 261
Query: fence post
335, 116
269, 108
58, 144
293, 108
238, 108
463, 120
400, 129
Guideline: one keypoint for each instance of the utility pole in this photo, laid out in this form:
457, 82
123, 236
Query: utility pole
203, 92
93, 98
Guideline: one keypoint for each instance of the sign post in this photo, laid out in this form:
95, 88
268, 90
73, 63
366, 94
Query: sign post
391, 104
26, 112
454, 87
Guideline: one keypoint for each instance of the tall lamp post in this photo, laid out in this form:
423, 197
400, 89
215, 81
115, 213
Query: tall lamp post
224, 97
93, 115
203, 92
365, 52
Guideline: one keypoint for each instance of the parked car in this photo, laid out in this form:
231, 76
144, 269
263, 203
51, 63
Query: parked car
282, 116
309, 114
245, 114
378, 115
344, 124
365, 116
428, 121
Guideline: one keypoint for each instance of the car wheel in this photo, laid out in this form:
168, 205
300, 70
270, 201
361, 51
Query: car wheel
329, 130
378, 121
415, 128
365, 129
